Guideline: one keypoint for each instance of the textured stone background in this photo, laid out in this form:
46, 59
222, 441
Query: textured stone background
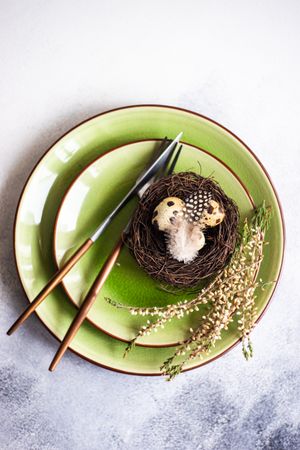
235, 61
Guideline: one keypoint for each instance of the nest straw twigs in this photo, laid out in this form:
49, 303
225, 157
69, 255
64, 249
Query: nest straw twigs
148, 245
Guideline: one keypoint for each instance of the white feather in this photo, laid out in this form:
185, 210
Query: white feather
184, 240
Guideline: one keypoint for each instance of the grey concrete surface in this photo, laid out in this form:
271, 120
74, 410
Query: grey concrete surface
235, 61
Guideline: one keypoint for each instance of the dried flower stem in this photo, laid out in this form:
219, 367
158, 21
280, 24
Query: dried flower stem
230, 294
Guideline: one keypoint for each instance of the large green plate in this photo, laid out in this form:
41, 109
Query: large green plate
48, 182
88, 201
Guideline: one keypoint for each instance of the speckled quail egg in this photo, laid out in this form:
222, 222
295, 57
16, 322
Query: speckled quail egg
165, 213
213, 215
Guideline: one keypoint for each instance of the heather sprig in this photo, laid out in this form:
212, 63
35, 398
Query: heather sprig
231, 294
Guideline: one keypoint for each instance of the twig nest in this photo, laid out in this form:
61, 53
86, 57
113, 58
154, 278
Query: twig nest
208, 216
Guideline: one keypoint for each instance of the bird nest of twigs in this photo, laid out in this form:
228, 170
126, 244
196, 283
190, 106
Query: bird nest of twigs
148, 245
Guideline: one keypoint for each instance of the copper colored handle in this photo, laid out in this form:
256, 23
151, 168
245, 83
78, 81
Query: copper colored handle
87, 304
54, 281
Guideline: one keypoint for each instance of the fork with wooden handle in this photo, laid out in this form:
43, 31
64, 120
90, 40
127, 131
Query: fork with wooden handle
143, 179
100, 280
87, 304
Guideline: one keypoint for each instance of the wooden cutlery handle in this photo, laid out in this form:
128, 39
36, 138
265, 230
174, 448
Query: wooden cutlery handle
87, 304
54, 281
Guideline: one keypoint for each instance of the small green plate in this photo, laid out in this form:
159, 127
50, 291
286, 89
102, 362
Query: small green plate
46, 187
88, 201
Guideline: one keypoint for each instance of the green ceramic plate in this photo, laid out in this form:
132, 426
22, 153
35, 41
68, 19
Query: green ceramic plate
50, 179
88, 201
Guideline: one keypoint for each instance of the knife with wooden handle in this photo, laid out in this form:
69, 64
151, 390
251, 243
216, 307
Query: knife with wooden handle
140, 183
